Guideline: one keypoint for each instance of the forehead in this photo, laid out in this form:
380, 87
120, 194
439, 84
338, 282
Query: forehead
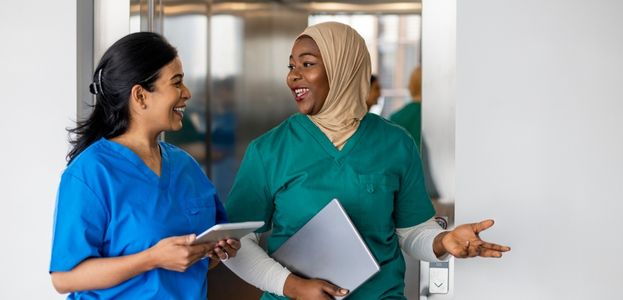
305, 45
174, 67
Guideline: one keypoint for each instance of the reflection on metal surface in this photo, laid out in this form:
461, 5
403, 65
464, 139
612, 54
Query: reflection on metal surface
149, 14
203, 7
385, 8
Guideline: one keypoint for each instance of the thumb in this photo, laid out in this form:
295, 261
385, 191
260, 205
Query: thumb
334, 290
186, 239
483, 225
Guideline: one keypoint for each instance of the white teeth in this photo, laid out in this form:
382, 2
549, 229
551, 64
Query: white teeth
301, 91
179, 109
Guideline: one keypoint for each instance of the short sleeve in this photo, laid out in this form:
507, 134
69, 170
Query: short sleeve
413, 206
249, 199
79, 225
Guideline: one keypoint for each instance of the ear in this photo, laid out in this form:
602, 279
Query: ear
138, 95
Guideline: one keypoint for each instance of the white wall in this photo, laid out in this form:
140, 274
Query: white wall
439, 91
438, 113
38, 94
540, 146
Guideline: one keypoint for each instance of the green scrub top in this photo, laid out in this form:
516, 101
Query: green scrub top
291, 172
410, 117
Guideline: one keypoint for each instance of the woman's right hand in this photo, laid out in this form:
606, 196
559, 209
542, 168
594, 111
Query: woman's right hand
311, 289
177, 253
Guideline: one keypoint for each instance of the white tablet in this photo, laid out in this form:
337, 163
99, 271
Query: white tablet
227, 230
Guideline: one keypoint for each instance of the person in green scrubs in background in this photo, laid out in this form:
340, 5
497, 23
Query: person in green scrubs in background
333, 148
410, 116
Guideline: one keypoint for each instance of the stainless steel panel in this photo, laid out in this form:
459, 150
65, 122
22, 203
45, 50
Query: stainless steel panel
84, 54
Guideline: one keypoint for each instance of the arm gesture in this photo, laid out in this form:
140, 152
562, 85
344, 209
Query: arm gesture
464, 241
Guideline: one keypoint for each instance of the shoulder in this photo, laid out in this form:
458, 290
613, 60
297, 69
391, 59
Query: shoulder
386, 127
180, 160
90, 157
406, 111
387, 136
87, 168
278, 134
175, 153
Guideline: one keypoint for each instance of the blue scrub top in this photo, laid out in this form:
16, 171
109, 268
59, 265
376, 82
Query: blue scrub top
111, 204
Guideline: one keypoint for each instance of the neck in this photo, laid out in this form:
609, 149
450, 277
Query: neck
137, 140
143, 144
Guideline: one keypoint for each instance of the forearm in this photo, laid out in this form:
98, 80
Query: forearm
421, 241
101, 273
253, 265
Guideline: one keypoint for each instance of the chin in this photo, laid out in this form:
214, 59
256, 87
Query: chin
176, 128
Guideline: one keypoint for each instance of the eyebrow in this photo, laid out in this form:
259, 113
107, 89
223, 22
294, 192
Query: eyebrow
181, 76
305, 54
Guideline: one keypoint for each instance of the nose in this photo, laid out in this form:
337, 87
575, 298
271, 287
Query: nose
294, 75
186, 95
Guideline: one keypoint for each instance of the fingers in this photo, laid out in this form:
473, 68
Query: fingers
333, 290
234, 243
482, 226
221, 254
496, 247
229, 246
478, 248
466, 249
181, 240
492, 250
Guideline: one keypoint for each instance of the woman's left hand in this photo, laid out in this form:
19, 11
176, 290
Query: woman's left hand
224, 249
464, 241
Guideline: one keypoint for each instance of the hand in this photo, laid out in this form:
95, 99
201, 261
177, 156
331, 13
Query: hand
177, 254
303, 289
464, 241
224, 249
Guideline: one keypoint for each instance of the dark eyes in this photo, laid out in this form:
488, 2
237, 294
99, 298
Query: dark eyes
305, 65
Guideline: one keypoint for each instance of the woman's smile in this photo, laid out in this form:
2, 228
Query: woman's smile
300, 93
179, 110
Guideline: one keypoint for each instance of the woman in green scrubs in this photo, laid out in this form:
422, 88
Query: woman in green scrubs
333, 148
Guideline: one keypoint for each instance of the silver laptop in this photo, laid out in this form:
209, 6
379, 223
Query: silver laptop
329, 247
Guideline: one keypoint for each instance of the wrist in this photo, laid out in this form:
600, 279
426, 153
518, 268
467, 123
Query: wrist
438, 248
149, 260
290, 287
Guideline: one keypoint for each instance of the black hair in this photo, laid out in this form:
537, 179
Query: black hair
373, 79
135, 59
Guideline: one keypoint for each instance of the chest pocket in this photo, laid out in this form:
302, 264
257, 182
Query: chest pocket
376, 199
200, 212
378, 183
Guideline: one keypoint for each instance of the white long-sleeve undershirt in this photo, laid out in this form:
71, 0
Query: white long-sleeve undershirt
254, 266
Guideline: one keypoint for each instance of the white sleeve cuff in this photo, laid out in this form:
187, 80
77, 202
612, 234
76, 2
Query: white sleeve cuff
254, 266
417, 241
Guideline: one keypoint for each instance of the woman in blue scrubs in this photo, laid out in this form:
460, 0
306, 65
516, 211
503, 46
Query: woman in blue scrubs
129, 206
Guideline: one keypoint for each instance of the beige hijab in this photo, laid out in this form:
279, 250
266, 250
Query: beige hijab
347, 62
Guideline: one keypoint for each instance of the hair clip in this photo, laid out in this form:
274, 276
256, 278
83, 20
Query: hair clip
93, 88
96, 87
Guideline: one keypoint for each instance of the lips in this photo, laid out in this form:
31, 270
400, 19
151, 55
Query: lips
179, 110
300, 93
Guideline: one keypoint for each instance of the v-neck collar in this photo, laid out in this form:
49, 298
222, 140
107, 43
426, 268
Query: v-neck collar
127, 153
324, 141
